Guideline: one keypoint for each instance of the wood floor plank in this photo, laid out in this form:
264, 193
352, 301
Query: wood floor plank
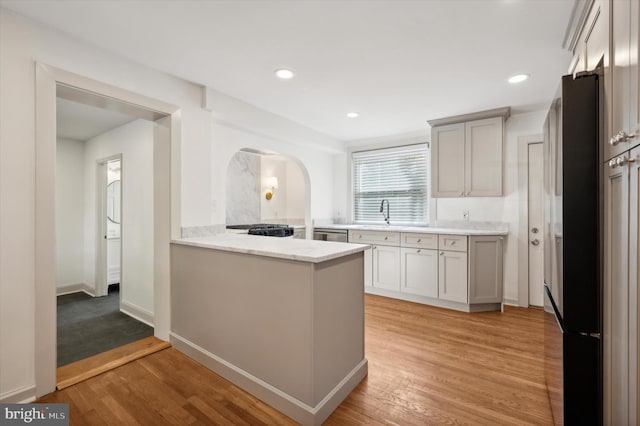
427, 366
78, 371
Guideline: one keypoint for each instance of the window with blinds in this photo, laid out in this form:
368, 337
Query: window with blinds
396, 174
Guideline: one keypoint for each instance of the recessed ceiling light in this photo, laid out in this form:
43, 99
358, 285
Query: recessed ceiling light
353, 114
518, 78
284, 73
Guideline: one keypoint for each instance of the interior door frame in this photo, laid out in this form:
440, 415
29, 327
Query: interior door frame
51, 82
523, 228
102, 267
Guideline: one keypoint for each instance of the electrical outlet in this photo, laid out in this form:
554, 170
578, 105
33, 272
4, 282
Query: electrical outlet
465, 214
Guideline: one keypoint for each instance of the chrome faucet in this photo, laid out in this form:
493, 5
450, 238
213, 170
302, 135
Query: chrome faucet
386, 216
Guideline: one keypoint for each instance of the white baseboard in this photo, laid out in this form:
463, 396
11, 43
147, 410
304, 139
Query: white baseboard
511, 302
21, 395
285, 403
462, 307
137, 312
75, 288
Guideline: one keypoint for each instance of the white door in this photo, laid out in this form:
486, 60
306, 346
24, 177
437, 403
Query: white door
535, 223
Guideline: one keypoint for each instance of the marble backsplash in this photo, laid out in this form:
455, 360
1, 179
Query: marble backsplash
243, 189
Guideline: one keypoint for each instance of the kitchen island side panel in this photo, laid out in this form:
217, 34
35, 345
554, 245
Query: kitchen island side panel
338, 321
254, 312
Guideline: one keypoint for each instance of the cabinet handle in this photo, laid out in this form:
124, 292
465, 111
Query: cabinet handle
462, 194
386, 238
621, 161
418, 251
441, 253
374, 247
621, 136
453, 243
418, 240
612, 163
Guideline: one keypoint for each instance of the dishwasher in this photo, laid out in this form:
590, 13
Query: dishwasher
330, 234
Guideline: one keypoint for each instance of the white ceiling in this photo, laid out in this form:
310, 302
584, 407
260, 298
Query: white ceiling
398, 63
83, 122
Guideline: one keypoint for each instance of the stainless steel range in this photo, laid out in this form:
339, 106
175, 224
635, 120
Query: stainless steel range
266, 229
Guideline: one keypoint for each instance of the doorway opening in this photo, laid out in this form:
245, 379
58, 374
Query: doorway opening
164, 205
104, 282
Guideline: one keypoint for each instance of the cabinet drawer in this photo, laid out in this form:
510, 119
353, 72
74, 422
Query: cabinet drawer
428, 241
452, 242
374, 237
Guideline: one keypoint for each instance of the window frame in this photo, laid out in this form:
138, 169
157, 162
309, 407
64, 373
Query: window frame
428, 202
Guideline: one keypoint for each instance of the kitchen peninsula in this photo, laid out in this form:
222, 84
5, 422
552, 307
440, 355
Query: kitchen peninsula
281, 318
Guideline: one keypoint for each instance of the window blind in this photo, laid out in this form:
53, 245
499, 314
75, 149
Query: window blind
396, 174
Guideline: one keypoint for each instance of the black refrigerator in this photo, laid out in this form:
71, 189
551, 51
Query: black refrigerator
572, 256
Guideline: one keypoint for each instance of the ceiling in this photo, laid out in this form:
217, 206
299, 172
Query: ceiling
82, 122
398, 63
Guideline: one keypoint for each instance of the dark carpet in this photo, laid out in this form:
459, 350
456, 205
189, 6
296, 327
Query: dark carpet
91, 325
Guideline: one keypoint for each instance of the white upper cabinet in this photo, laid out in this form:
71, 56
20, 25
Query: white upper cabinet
624, 132
483, 158
447, 160
466, 155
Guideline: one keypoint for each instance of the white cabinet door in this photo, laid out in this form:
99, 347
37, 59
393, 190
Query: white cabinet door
596, 35
634, 75
483, 158
452, 276
447, 160
634, 293
386, 267
485, 269
368, 267
419, 272
616, 303
624, 67
466, 159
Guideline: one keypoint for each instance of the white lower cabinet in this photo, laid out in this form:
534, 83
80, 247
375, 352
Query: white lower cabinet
452, 271
386, 267
621, 296
419, 271
368, 267
485, 260
452, 276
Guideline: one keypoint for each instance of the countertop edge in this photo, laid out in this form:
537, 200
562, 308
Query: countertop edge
418, 230
274, 254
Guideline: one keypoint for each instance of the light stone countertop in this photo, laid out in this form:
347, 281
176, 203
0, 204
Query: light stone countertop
283, 248
454, 229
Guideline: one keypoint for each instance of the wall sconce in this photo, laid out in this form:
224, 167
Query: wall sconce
271, 182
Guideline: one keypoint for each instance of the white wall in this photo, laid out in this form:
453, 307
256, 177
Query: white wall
315, 163
23, 42
276, 207
296, 190
134, 141
69, 212
517, 125
206, 149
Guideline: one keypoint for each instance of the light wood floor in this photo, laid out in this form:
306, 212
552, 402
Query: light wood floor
79, 371
427, 366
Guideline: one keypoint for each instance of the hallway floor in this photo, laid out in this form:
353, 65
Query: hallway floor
91, 325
